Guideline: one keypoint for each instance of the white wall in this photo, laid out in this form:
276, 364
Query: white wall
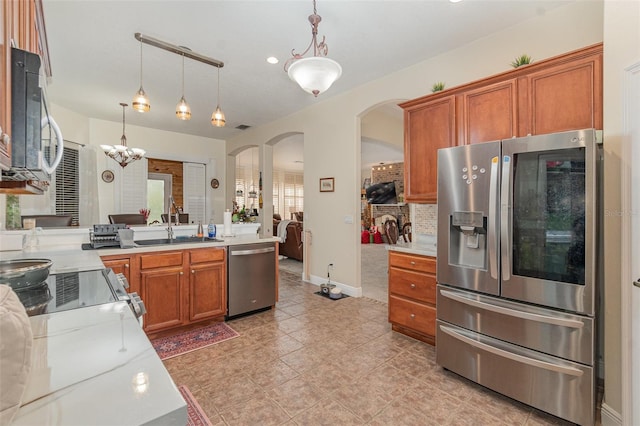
622, 49
332, 127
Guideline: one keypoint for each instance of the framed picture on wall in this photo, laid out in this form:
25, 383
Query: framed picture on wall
327, 184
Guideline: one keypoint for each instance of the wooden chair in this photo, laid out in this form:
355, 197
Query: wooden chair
50, 220
182, 217
406, 232
128, 219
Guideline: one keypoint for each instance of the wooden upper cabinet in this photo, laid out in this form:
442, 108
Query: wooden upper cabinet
553, 95
428, 127
563, 96
488, 113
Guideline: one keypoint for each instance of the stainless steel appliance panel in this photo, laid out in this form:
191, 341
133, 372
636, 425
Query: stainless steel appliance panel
556, 333
468, 246
549, 210
563, 388
251, 278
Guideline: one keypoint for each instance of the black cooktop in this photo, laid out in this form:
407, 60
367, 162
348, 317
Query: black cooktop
62, 292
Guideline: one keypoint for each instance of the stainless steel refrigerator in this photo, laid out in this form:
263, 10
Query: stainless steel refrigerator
519, 267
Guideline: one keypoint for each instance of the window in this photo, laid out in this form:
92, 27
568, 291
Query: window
67, 185
158, 191
288, 192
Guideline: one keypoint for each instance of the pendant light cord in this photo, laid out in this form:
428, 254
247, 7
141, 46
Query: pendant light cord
183, 76
123, 139
140, 66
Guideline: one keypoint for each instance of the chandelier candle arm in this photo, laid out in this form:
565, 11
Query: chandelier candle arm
122, 154
315, 74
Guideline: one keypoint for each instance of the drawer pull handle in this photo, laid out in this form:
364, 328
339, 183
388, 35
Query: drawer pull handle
412, 316
126, 265
181, 273
413, 285
193, 271
413, 263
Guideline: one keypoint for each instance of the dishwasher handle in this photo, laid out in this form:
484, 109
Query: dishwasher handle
253, 251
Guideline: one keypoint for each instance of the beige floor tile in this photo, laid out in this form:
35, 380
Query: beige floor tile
259, 411
295, 396
313, 361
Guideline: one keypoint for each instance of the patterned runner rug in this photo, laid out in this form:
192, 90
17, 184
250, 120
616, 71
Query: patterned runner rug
195, 414
189, 341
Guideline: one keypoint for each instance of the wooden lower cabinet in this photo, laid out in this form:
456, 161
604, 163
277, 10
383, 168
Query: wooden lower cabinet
123, 265
412, 295
164, 294
163, 289
178, 287
207, 284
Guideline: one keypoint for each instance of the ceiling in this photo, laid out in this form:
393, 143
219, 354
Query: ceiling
96, 59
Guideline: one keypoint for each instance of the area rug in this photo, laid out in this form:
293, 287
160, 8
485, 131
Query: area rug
189, 341
195, 414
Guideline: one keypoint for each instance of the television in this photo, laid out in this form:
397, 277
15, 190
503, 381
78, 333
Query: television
382, 193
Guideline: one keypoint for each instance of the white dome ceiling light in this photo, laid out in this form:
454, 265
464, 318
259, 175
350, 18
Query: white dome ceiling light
317, 73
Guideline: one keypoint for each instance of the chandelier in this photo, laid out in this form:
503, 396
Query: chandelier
317, 73
122, 154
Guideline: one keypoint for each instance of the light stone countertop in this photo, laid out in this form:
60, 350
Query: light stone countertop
95, 365
424, 245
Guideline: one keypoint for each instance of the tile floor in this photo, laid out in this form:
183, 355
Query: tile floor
315, 361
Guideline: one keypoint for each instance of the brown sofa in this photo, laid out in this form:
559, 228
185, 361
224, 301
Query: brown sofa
292, 247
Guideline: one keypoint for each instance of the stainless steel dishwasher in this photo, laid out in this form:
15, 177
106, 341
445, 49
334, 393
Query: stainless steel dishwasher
251, 280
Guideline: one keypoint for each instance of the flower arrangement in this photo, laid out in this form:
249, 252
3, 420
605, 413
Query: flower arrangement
145, 213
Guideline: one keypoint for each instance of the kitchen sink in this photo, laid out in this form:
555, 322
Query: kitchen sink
176, 240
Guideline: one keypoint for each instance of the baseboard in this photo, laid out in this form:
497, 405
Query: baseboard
609, 417
346, 289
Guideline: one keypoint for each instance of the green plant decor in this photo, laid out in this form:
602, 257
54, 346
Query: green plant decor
521, 60
437, 87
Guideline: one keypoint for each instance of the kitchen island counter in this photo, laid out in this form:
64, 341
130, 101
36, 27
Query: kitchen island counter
95, 365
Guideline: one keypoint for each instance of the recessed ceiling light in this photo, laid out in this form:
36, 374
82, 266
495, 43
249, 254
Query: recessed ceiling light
455, 1
272, 60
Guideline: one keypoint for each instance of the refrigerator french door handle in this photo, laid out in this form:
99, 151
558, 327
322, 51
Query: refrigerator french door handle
510, 355
505, 223
493, 216
562, 322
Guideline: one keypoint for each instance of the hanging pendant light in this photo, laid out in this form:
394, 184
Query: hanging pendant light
183, 111
140, 100
217, 118
317, 73
121, 153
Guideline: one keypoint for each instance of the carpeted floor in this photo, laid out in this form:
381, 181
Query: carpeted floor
188, 341
195, 413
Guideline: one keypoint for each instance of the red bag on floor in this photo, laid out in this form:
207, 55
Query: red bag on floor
365, 237
377, 238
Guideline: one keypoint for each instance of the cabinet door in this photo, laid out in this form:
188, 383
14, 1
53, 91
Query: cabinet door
125, 266
207, 291
6, 14
488, 113
566, 96
164, 296
428, 127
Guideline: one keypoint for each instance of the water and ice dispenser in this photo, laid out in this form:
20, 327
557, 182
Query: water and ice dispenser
468, 239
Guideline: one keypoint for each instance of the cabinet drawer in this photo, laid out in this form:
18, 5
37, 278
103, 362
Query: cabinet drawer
414, 285
413, 315
207, 255
161, 259
414, 262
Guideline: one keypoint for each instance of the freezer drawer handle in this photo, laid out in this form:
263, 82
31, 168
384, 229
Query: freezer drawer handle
254, 251
637, 282
563, 322
515, 357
